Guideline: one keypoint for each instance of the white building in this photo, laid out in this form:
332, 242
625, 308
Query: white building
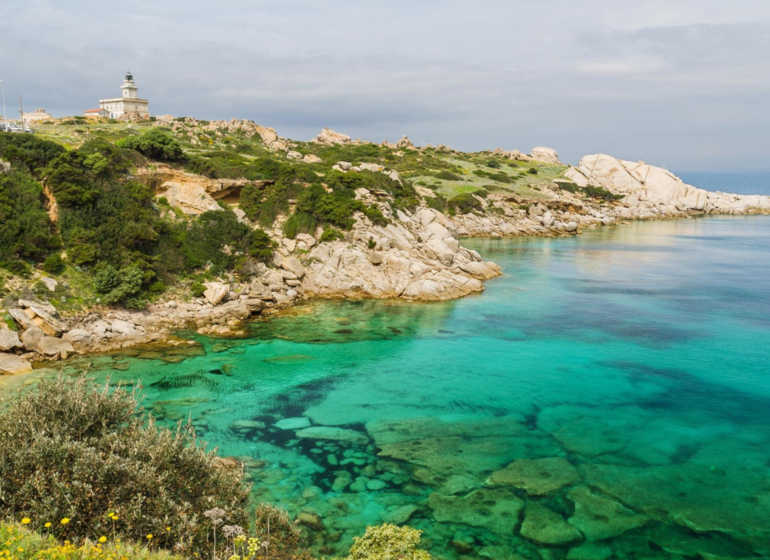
37, 115
129, 105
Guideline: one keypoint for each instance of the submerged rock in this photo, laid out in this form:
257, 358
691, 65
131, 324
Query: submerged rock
293, 423
536, 476
600, 518
495, 509
334, 434
545, 526
398, 514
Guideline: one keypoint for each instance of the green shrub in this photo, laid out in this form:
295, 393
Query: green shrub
388, 542
299, 222
54, 264
371, 243
200, 166
29, 151
448, 176
73, 450
330, 234
437, 202
273, 524
261, 246
117, 286
464, 203
493, 163
25, 229
202, 241
532, 171
156, 143
197, 289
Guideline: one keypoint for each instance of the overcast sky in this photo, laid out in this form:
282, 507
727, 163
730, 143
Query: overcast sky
680, 83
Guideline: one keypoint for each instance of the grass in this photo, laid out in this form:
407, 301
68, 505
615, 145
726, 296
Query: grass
19, 543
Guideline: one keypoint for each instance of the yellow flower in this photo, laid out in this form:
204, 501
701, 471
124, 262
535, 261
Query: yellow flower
20, 549
168, 529
149, 537
102, 539
65, 520
47, 525
111, 514
25, 520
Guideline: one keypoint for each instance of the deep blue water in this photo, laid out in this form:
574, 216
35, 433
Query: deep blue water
632, 364
739, 182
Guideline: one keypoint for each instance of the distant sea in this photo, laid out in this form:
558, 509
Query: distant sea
739, 182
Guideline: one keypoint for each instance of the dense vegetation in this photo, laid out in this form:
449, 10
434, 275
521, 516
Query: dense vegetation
81, 212
71, 450
110, 223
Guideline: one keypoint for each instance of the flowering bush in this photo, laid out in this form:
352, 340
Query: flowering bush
388, 542
19, 543
76, 452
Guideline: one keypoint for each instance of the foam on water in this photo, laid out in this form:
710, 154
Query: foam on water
638, 354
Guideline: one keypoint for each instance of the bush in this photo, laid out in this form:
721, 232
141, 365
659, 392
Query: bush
532, 171
25, 229
197, 289
157, 144
437, 202
464, 203
387, 542
448, 176
29, 152
493, 163
19, 543
330, 234
261, 246
118, 286
54, 264
73, 450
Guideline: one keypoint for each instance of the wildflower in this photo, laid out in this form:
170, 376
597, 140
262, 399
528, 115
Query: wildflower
25, 520
65, 520
102, 539
168, 529
149, 537
111, 514
48, 525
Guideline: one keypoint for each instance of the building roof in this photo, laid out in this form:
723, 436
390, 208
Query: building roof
93, 111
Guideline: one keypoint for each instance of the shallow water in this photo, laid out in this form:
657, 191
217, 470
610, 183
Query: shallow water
638, 354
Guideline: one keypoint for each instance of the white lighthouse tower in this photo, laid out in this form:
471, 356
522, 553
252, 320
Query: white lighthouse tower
130, 106
130, 91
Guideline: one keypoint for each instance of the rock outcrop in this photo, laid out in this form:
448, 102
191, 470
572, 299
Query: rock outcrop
546, 155
653, 192
418, 257
330, 138
191, 199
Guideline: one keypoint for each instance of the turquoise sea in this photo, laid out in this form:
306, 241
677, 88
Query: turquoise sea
607, 397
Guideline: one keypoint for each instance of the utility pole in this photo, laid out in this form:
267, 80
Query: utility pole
5, 118
21, 115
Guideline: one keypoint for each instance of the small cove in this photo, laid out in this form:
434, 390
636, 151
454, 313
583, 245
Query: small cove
638, 356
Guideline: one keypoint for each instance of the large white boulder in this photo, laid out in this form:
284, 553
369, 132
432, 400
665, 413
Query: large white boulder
9, 340
546, 155
54, 347
330, 138
215, 292
10, 364
190, 198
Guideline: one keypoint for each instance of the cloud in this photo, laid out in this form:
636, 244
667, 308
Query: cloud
671, 82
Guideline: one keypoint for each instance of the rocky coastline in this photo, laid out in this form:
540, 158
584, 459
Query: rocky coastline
417, 256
